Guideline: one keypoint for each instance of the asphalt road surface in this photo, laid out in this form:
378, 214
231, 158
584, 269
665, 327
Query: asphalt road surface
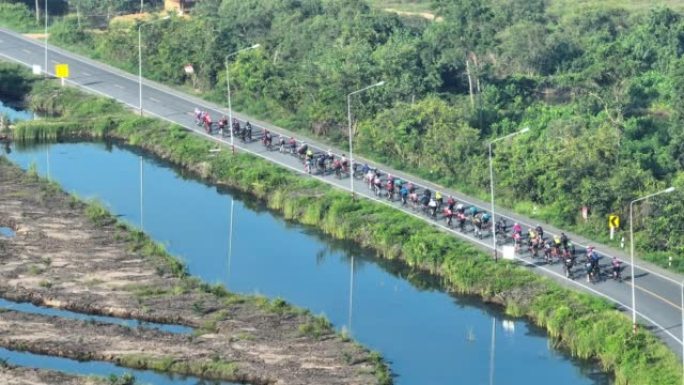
658, 292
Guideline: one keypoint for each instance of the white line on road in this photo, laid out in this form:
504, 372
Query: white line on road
298, 170
117, 85
154, 100
25, 50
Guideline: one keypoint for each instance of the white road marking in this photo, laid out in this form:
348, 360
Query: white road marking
25, 50
117, 85
156, 101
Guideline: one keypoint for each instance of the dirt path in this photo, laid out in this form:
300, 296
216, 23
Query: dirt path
62, 259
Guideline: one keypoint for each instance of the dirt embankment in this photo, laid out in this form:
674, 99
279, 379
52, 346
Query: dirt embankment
61, 258
11, 375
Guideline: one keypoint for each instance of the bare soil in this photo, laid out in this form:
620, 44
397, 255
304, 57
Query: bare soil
62, 259
24, 376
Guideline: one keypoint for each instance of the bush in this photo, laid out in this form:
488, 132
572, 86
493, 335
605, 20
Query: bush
18, 17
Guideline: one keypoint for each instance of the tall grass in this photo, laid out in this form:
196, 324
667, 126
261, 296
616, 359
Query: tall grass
590, 328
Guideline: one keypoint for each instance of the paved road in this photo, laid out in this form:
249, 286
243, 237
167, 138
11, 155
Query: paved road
658, 294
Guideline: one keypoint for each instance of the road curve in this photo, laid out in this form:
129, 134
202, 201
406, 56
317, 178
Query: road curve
658, 292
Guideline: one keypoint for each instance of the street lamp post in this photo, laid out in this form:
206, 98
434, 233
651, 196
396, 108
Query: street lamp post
351, 137
46, 37
230, 106
631, 248
140, 99
491, 183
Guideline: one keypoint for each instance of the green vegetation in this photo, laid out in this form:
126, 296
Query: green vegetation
124, 379
600, 87
590, 328
213, 369
17, 17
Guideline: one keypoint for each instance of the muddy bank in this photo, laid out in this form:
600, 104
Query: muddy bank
10, 375
70, 256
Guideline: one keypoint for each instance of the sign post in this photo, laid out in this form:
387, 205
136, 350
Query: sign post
62, 72
613, 223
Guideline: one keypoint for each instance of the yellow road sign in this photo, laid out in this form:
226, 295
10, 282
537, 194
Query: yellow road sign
62, 70
613, 221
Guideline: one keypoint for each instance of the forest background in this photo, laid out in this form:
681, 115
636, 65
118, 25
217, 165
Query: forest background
599, 83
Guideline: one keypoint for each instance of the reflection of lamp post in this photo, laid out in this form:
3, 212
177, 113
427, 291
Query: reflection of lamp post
141, 194
491, 184
140, 60
491, 353
230, 239
351, 294
230, 106
631, 248
351, 152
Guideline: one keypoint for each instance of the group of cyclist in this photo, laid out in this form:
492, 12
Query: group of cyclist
559, 247
203, 119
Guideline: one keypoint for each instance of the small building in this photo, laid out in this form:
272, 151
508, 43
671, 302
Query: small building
180, 6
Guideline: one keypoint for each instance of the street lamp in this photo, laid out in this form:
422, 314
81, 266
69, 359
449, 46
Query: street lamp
230, 107
631, 248
46, 37
491, 183
140, 106
351, 149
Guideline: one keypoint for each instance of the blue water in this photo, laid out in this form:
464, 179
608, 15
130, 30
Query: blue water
429, 337
30, 308
6, 232
103, 369
13, 114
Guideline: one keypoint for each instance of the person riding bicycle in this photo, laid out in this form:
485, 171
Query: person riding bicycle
222, 123
236, 126
303, 149
485, 218
268, 139
451, 202
473, 211
293, 145
564, 240
207, 122
439, 199
345, 163
616, 264
320, 163
540, 231
404, 194
281, 143
248, 129
517, 229
198, 116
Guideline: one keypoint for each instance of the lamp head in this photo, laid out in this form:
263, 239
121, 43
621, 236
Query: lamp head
524, 130
380, 83
669, 189
256, 46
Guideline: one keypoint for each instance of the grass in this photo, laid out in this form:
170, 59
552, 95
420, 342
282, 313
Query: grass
212, 369
592, 330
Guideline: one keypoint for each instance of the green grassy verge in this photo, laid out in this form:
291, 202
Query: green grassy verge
588, 327
214, 369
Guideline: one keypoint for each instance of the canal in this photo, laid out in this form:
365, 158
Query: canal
427, 335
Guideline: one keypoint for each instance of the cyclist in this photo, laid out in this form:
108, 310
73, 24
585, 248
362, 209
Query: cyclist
439, 199
517, 229
615, 263
540, 231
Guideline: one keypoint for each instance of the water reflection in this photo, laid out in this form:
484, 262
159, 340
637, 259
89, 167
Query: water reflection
405, 314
